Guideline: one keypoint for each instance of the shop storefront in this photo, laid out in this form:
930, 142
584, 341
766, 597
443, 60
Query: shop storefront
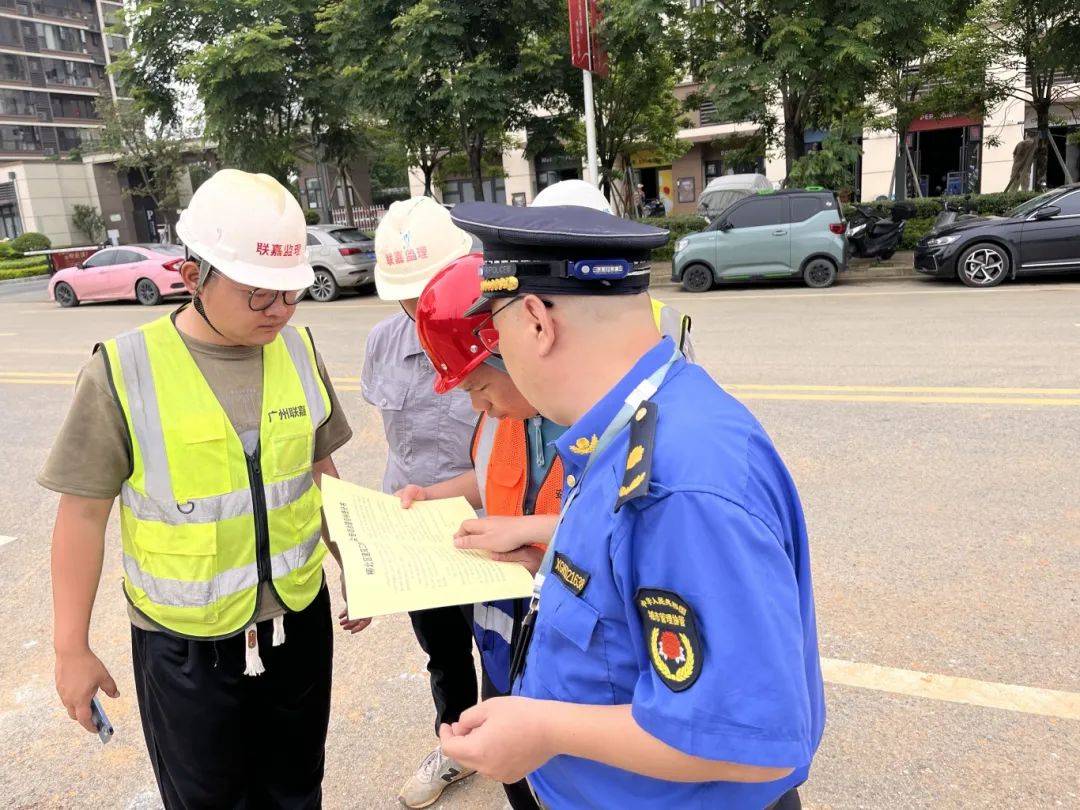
946, 153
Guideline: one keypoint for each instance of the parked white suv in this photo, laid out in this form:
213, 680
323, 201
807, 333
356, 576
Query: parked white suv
342, 257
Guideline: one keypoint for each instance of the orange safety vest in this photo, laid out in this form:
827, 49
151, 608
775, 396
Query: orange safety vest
500, 456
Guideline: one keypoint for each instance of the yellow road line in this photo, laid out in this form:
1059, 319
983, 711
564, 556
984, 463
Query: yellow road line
918, 395
900, 389
991, 695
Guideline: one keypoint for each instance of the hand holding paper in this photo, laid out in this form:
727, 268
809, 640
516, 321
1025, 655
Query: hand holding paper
398, 559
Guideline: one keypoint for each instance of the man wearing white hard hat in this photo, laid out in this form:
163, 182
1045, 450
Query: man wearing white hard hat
428, 438
213, 425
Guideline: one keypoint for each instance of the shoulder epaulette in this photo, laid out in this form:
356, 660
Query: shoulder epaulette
635, 481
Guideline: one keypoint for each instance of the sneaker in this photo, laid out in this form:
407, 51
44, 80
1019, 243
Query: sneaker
435, 774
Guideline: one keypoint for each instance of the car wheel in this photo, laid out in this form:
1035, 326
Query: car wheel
888, 254
325, 288
983, 265
147, 293
819, 273
697, 278
65, 296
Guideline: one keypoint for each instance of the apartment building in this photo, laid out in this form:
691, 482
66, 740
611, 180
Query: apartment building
54, 59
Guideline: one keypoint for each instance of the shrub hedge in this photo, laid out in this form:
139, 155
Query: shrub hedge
31, 240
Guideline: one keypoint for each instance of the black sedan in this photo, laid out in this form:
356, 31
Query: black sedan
1039, 236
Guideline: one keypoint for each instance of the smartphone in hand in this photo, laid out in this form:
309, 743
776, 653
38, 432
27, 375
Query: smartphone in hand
101, 722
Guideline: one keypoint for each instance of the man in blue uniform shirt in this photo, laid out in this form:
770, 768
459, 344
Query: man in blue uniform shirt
672, 658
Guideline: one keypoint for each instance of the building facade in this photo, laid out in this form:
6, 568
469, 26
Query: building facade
54, 60
953, 155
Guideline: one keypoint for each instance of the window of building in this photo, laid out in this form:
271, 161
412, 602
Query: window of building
68, 138
12, 68
759, 213
9, 32
10, 224
456, 191
313, 191
75, 74
17, 102
73, 107
19, 139
59, 37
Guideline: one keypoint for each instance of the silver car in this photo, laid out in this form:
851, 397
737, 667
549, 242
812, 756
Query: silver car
342, 257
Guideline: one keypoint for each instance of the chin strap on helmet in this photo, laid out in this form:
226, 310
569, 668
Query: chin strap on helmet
196, 300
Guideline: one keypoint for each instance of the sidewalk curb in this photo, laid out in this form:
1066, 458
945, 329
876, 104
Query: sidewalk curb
14, 282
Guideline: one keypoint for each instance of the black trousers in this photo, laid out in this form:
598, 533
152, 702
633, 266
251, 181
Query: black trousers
445, 634
220, 739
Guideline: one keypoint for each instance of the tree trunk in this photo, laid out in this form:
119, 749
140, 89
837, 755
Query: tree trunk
794, 133
476, 172
350, 219
429, 172
1042, 145
900, 171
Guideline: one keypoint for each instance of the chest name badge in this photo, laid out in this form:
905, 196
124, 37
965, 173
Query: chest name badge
671, 637
572, 577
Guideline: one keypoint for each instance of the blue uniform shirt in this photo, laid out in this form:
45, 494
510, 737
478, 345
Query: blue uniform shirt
692, 603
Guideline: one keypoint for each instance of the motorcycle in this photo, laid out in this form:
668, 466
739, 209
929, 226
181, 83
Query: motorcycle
955, 212
653, 208
871, 235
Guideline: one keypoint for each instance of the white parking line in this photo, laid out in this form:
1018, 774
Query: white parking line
829, 296
4, 539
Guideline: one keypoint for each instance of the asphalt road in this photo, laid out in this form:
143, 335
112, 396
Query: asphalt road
933, 433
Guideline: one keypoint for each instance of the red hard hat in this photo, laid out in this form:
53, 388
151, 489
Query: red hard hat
446, 333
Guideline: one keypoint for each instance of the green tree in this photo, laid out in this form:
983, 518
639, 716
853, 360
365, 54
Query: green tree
148, 150
89, 221
476, 66
923, 69
365, 50
786, 65
635, 105
1035, 47
250, 62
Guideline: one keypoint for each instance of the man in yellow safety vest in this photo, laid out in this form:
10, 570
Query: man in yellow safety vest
213, 425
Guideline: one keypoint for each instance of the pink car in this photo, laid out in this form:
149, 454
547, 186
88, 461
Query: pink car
144, 273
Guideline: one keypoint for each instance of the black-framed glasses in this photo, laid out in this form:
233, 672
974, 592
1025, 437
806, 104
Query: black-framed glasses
260, 300
486, 332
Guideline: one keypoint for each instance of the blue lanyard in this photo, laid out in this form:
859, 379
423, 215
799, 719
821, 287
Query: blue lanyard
642, 392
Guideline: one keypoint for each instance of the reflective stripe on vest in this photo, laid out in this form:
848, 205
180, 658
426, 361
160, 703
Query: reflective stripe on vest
189, 516
500, 455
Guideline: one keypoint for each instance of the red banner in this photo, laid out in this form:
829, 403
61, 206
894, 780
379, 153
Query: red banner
585, 50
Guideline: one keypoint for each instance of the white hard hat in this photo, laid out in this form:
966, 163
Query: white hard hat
572, 192
414, 241
249, 228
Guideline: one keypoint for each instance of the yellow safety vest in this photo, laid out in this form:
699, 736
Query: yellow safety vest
202, 523
675, 325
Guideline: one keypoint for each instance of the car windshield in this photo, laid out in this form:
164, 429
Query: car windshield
1026, 208
344, 235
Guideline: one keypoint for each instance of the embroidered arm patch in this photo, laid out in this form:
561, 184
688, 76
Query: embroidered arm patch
639, 457
671, 637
